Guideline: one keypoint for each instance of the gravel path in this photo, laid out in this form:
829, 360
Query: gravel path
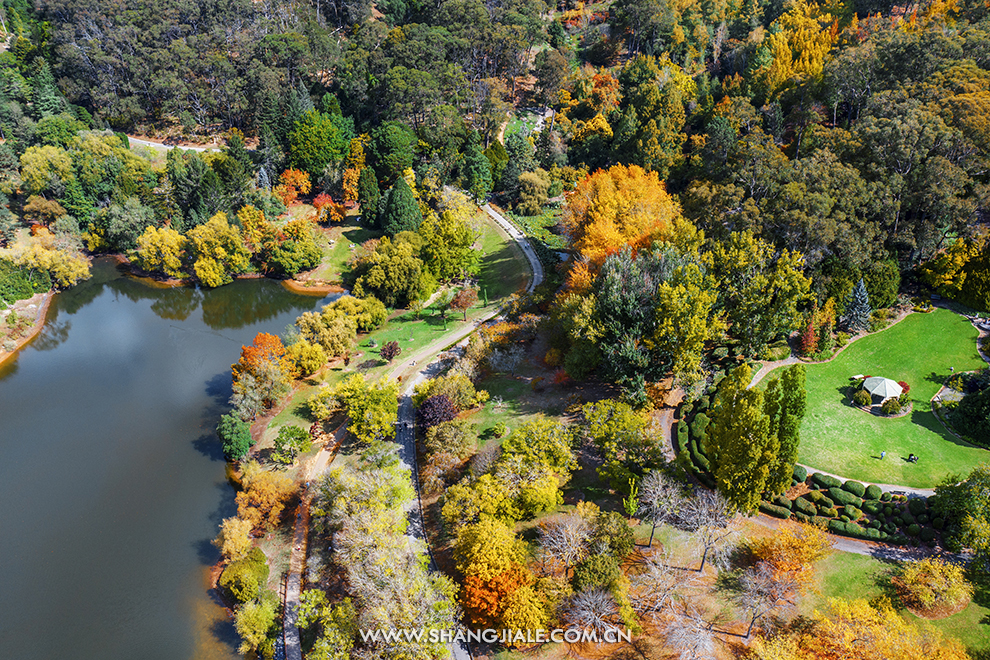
406, 439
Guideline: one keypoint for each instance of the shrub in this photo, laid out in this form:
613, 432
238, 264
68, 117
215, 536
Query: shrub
699, 425
891, 407
927, 534
830, 512
235, 434
906, 517
780, 500
918, 505
875, 524
844, 518
855, 488
800, 473
826, 481
885, 497
436, 410
938, 523
871, 507
888, 511
703, 403
841, 339
923, 519
872, 492
698, 459
687, 409
914, 529
842, 497
775, 511
819, 521
817, 497
904, 386
862, 398
500, 429
837, 527
804, 506
932, 583
802, 517
721, 353
852, 512
596, 571
898, 521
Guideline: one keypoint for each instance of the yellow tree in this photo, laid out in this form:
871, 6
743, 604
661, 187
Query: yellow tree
793, 551
624, 205
218, 251
160, 250
234, 539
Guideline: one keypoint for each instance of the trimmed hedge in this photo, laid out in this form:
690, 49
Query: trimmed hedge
803, 517
806, 507
871, 507
852, 512
830, 512
885, 497
780, 500
855, 488
800, 473
843, 497
914, 529
927, 535
699, 425
826, 481
775, 511
918, 505
873, 492
682, 436
938, 523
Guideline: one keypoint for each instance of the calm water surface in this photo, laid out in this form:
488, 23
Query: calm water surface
111, 480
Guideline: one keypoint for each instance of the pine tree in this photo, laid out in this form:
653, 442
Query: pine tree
47, 99
477, 172
368, 195
401, 212
858, 308
740, 442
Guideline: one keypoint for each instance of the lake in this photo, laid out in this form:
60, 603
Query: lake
111, 479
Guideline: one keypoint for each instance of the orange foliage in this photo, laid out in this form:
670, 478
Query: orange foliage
350, 184
610, 209
264, 348
483, 600
501, 333
294, 183
560, 377
793, 551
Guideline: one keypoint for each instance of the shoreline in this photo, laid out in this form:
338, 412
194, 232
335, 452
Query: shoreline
44, 301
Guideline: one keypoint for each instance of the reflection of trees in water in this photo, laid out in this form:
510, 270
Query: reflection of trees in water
250, 301
54, 333
177, 304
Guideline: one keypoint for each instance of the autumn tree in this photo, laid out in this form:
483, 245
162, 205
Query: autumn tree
290, 442
660, 500
160, 250
234, 539
932, 584
739, 441
217, 251
793, 551
492, 561
765, 590
624, 205
448, 244
264, 497
266, 361
464, 299
292, 184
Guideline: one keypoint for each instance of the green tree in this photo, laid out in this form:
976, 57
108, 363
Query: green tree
447, 246
858, 308
391, 149
253, 622
235, 434
401, 211
784, 403
739, 441
393, 273
290, 442
316, 142
477, 172
368, 195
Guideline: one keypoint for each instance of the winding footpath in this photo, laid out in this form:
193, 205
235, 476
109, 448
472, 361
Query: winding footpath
406, 438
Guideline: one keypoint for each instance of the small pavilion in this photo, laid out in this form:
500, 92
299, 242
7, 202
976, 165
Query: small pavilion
882, 388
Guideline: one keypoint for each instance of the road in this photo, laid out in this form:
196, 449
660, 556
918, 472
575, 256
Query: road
405, 437
166, 147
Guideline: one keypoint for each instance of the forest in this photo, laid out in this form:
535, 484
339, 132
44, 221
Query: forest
710, 187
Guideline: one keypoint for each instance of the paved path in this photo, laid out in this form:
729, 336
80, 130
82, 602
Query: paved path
406, 439
892, 488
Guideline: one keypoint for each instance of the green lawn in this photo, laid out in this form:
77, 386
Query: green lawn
849, 576
839, 438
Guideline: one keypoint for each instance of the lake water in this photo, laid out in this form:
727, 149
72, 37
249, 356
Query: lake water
111, 480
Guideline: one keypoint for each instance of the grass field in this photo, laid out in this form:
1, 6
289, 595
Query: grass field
839, 438
849, 576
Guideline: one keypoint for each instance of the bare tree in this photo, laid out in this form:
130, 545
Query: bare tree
507, 360
693, 634
652, 591
764, 592
660, 500
711, 518
564, 539
593, 609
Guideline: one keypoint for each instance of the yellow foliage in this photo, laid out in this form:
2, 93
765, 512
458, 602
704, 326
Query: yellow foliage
610, 209
597, 125
160, 250
793, 551
253, 226
234, 539
63, 262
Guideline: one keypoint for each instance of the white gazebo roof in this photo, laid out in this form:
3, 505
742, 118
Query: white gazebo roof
882, 387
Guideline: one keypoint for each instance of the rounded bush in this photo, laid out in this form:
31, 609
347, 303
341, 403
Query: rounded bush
825, 480
775, 511
800, 473
851, 512
862, 398
923, 519
871, 507
831, 512
891, 407
844, 497
780, 500
873, 492
927, 534
837, 527
885, 497
914, 529
938, 523
907, 517
875, 524
873, 533
805, 507
918, 505
815, 496
687, 409
844, 518
699, 426
803, 517
855, 488
888, 511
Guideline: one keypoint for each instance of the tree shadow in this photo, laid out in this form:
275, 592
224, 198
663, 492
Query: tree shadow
209, 446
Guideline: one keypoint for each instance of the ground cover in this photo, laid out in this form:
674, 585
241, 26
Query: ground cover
921, 350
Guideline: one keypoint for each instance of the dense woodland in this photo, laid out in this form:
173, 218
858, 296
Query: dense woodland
721, 175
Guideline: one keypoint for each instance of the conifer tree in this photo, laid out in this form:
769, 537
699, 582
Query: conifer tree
401, 212
368, 195
477, 172
785, 400
740, 442
858, 308
47, 99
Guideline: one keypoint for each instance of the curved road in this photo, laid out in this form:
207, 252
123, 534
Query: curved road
406, 439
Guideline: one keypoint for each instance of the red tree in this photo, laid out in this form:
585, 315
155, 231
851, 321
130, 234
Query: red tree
463, 300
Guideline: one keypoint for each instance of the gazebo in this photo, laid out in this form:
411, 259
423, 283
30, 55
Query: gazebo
882, 388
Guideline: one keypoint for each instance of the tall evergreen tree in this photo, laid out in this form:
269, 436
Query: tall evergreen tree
368, 195
858, 308
477, 172
784, 403
401, 212
740, 442
47, 99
